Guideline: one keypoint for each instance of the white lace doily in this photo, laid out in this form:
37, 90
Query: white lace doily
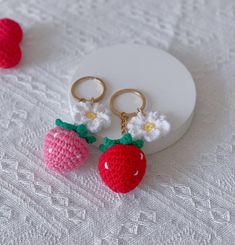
188, 193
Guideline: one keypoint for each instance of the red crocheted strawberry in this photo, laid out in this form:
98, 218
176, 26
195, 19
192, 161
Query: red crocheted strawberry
65, 146
122, 164
10, 54
10, 30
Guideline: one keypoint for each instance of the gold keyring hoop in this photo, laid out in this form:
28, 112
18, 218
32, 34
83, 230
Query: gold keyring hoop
124, 91
83, 79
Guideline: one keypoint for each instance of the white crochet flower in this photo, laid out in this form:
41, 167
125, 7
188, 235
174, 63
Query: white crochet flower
96, 116
148, 126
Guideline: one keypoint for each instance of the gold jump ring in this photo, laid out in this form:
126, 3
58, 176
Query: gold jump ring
124, 91
83, 79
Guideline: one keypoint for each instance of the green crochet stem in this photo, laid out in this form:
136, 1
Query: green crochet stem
81, 130
126, 139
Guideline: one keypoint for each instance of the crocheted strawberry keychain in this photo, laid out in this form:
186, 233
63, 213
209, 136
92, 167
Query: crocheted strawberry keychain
66, 146
122, 164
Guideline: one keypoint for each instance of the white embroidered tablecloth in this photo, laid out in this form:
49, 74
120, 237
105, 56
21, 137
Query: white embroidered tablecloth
188, 194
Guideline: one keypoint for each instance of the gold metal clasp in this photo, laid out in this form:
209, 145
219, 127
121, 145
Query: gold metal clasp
124, 116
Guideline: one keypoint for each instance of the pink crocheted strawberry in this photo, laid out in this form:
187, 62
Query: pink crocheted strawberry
122, 164
66, 146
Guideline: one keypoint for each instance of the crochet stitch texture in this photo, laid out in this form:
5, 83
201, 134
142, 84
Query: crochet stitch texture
10, 30
64, 150
10, 53
122, 167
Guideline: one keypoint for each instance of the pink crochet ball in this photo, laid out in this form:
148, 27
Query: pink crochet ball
10, 54
64, 149
10, 30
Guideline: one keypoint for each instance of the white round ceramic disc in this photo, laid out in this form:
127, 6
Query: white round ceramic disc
166, 83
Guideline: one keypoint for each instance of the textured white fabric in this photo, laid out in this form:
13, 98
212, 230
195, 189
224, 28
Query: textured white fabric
188, 193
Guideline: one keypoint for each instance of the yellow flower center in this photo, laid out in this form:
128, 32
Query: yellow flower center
148, 127
90, 115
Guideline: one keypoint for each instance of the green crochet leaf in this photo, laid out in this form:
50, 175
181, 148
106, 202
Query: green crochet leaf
65, 125
139, 143
81, 130
126, 139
